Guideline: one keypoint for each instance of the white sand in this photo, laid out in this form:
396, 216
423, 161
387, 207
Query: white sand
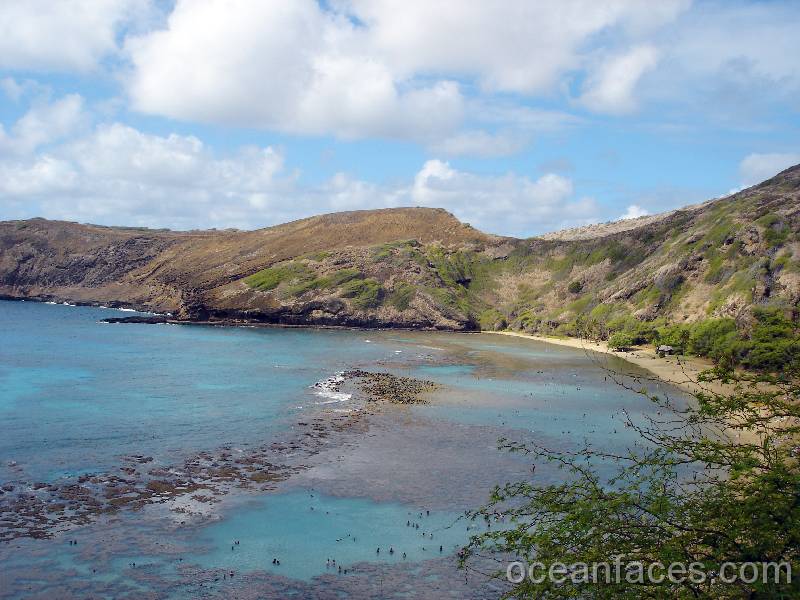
681, 372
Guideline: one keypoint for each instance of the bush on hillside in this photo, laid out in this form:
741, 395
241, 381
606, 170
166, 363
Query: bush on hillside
365, 293
714, 338
620, 340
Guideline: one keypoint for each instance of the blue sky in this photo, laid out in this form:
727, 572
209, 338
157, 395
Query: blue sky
519, 116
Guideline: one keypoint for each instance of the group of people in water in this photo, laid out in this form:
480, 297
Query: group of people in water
331, 562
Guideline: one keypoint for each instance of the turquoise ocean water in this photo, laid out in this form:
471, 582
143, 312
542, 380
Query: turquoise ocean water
78, 396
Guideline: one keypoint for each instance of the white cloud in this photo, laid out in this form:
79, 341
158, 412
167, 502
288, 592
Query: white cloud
116, 174
462, 79
45, 175
119, 175
378, 68
634, 212
761, 35
481, 143
44, 123
610, 88
67, 35
731, 62
12, 89
755, 168
280, 65
521, 46
388, 68
508, 204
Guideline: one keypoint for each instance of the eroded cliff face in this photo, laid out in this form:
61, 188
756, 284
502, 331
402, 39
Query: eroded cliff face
51, 259
422, 268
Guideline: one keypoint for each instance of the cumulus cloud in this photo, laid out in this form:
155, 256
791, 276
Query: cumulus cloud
409, 69
68, 35
634, 212
289, 66
504, 130
381, 68
519, 46
755, 167
45, 122
116, 174
119, 175
470, 79
514, 204
402, 68
611, 87
388, 68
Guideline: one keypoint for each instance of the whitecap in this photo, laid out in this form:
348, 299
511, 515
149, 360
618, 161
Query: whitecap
339, 398
329, 388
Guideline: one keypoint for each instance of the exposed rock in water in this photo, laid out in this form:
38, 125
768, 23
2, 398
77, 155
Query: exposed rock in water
154, 320
391, 388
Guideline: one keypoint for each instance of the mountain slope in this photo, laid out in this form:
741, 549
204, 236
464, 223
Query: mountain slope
418, 267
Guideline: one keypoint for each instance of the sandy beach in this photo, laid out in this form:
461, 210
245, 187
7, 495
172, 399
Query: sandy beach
681, 372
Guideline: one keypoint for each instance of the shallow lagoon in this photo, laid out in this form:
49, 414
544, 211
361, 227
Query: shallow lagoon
76, 396
305, 529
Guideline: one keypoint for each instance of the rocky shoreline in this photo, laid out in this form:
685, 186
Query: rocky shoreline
200, 315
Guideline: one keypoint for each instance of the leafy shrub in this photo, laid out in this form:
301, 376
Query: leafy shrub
365, 293
773, 344
638, 331
676, 336
620, 340
529, 321
342, 276
575, 287
270, 278
714, 338
453, 268
402, 295
317, 256
743, 507
581, 305
301, 285
492, 320
776, 230
385, 251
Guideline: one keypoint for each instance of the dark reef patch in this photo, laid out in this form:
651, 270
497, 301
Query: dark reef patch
391, 388
40, 510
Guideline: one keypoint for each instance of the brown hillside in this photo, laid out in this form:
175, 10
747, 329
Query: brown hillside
420, 267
